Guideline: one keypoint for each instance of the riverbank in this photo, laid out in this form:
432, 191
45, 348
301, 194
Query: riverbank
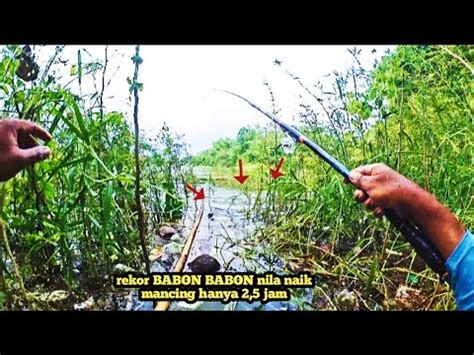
358, 266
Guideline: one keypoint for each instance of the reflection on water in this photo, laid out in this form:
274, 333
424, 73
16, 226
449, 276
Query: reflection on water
227, 234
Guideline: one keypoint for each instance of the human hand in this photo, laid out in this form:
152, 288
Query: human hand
380, 187
18, 146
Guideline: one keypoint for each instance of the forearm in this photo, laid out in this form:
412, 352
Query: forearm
380, 187
436, 221
455, 244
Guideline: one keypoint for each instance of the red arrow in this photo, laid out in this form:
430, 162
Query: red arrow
276, 172
241, 178
199, 194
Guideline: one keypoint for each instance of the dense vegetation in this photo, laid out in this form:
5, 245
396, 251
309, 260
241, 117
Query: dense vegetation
69, 221
413, 112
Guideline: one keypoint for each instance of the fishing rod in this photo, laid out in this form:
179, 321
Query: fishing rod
415, 237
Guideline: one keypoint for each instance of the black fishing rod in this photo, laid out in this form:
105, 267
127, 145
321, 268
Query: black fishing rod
415, 237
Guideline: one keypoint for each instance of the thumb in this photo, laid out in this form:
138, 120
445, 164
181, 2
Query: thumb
33, 155
359, 180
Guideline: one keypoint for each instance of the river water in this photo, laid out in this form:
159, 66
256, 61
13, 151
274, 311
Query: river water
227, 232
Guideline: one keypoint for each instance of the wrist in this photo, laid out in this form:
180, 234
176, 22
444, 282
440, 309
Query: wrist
411, 198
438, 223
419, 205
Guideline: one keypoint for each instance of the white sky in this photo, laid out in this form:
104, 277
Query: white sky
179, 83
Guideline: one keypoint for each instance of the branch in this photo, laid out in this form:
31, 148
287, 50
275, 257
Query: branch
51, 61
458, 57
141, 218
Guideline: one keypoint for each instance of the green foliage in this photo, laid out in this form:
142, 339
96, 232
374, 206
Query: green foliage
252, 144
413, 112
72, 217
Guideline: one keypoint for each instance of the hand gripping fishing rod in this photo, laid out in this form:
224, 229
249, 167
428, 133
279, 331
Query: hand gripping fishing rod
420, 243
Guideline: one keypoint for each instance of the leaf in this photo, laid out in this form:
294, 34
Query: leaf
5, 89
50, 226
54, 296
96, 157
73, 70
73, 127
341, 188
458, 212
413, 278
56, 119
80, 120
107, 205
136, 85
126, 179
20, 96
12, 47
373, 270
95, 222
65, 163
33, 100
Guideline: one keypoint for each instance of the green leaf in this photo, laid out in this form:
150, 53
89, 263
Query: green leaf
136, 85
126, 179
56, 119
12, 47
66, 162
96, 157
33, 100
354, 107
413, 278
95, 222
50, 226
80, 120
107, 205
20, 96
5, 89
73, 127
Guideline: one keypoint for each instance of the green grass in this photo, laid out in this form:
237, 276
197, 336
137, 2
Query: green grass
415, 115
224, 176
70, 219
414, 112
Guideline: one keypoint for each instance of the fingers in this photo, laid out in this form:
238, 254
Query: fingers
27, 141
28, 127
369, 204
379, 212
359, 180
366, 169
360, 196
31, 156
361, 176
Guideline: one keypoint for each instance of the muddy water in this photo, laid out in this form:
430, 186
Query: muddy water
227, 233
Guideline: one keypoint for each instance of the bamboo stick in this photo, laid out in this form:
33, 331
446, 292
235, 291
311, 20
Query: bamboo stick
164, 305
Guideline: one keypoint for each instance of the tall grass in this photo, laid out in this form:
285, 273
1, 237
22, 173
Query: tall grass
413, 112
70, 220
